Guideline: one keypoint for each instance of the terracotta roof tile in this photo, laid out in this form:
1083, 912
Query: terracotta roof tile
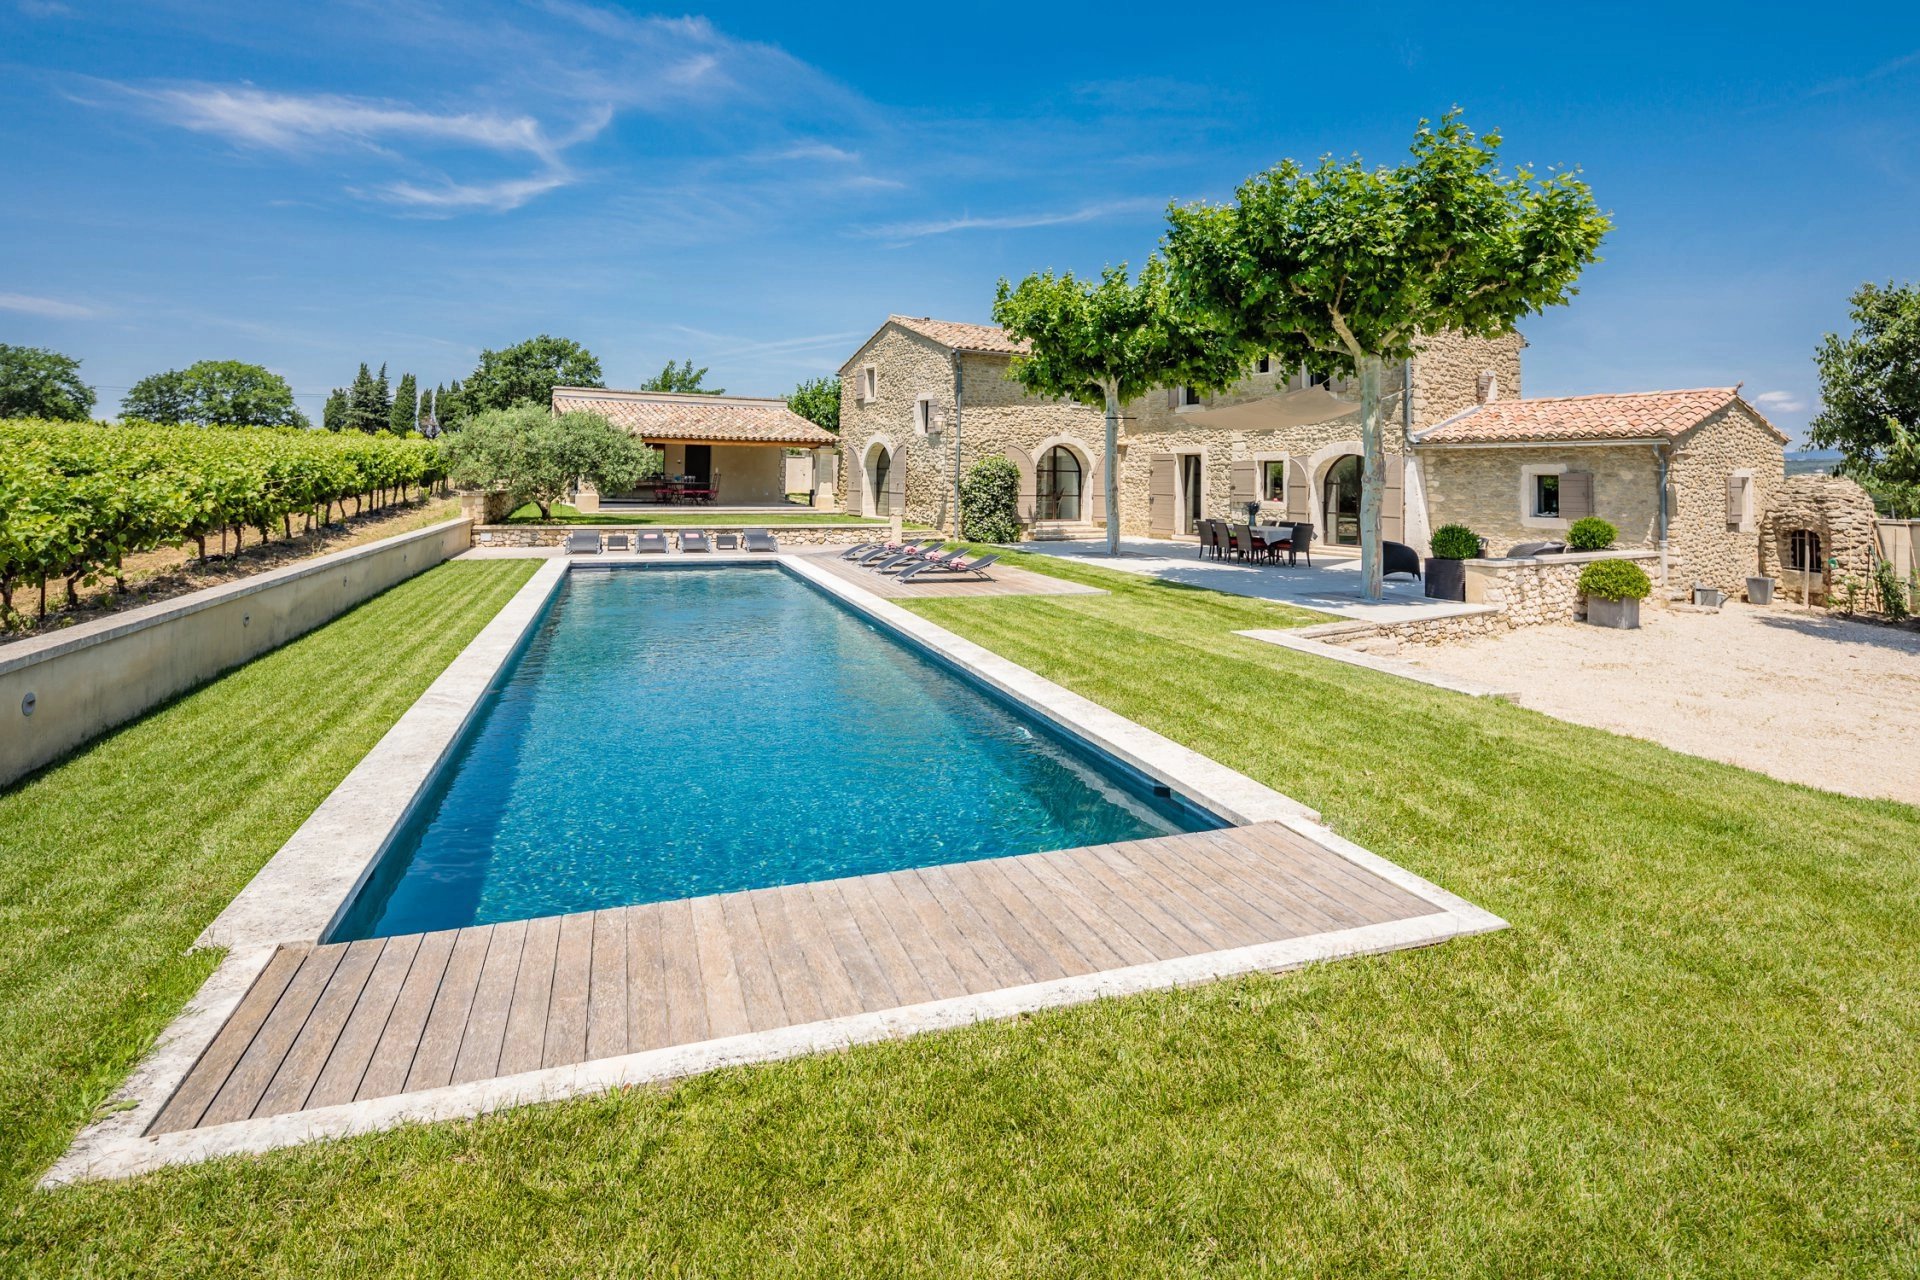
661, 415
963, 337
1640, 415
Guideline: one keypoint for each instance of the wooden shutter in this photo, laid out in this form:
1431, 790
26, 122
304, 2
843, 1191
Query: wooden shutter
1028, 488
1173, 397
1737, 490
1299, 493
897, 484
1576, 495
1246, 481
1160, 496
1393, 501
1093, 492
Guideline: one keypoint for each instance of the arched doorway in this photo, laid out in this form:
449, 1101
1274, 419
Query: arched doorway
1341, 495
879, 480
1057, 484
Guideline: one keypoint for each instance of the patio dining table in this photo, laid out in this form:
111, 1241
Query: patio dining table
1272, 538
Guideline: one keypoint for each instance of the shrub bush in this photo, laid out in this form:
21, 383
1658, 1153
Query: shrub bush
1591, 534
1455, 542
990, 501
1615, 580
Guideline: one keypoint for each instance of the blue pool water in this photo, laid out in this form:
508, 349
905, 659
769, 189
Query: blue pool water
668, 733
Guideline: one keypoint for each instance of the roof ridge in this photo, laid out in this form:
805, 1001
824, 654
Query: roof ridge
1609, 395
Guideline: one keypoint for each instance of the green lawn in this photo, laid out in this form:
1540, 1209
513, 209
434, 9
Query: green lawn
698, 517
1692, 1054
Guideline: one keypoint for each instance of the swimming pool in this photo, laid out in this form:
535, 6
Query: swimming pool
671, 732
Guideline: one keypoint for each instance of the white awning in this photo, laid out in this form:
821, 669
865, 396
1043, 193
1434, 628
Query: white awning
1276, 412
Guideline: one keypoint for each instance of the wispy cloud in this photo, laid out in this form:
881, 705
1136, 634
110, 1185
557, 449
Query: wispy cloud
1885, 69
1781, 401
1017, 221
49, 308
455, 197
44, 9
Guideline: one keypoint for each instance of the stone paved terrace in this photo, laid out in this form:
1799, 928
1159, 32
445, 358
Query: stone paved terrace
1331, 584
335, 1024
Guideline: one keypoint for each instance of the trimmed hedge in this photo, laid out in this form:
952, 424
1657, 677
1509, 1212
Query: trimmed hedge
990, 501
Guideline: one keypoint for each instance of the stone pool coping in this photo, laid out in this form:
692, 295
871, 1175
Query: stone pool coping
303, 890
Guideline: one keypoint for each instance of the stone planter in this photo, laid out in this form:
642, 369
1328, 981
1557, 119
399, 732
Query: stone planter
1446, 579
1622, 615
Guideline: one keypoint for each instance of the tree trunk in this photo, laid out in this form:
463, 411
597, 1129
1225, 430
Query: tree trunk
546, 509
1110, 475
1373, 476
286, 523
42, 612
200, 540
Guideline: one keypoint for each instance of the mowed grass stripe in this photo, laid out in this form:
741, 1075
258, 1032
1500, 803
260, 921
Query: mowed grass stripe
114, 859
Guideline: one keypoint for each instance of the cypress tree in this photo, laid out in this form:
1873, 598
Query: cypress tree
406, 405
334, 417
365, 409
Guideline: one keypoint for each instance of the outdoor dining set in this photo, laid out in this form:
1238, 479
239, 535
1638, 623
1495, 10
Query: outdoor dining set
1224, 540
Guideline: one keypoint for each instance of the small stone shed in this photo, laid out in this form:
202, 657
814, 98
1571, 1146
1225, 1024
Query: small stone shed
1817, 530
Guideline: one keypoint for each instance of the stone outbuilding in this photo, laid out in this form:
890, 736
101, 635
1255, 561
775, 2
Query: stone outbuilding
1818, 530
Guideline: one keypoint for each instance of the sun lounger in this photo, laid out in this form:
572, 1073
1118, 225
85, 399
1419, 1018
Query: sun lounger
651, 541
619, 542
760, 540
726, 542
899, 564
888, 551
975, 568
584, 540
694, 540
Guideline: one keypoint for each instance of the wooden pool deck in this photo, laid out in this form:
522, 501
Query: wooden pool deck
1003, 580
339, 1023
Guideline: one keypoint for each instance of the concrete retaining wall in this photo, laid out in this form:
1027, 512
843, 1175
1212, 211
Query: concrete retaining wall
86, 679
788, 535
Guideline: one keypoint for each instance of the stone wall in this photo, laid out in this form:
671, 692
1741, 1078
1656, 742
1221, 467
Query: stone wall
908, 366
1703, 543
1446, 374
789, 535
485, 507
1835, 508
60, 689
1487, 490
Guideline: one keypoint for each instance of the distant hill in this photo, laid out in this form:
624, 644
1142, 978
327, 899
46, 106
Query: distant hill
1812, 462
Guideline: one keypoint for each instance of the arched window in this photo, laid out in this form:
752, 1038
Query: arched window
882, 469
1057, 484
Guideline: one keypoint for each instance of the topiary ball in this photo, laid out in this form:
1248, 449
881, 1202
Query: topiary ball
1591, 534
1615, 580
1455, 542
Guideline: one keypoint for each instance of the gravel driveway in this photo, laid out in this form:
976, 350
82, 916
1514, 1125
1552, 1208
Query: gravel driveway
1804, 697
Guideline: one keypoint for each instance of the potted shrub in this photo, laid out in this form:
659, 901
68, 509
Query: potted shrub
1591, 534
1614, 590
1446, 574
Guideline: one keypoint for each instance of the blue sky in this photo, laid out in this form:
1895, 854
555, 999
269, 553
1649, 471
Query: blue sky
756, 187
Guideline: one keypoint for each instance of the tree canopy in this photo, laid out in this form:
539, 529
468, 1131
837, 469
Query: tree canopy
527, 373
1109, 341
536, 456
406, 405
1348, 266
818, 401
215, 393
38, 383
683, 378
1870, 392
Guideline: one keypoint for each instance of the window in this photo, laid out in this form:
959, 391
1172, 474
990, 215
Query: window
1273, 480
1189, 396
923, 416
1803, 551
1263, 365
1319, 378
1546, 497
1057, 484
869, 384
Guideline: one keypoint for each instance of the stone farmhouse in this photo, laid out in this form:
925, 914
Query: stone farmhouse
1687, 472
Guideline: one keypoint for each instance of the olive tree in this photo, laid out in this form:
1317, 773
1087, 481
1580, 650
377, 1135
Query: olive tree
1109, 341
536, 456
1358, 263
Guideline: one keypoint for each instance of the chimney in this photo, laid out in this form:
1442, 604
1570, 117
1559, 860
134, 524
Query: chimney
1487, 389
